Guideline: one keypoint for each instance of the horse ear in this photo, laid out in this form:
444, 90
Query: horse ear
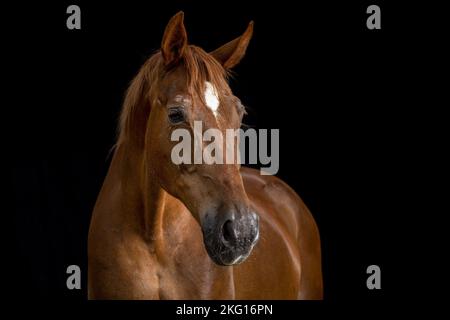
174, 40
231, 53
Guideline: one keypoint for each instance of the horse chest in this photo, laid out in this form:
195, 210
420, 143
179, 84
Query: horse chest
188, 273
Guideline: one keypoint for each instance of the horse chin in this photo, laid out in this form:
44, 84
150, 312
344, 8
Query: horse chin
227, 260
237, 260
227, 257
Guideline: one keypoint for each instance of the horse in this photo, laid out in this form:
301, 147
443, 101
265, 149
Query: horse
161, 230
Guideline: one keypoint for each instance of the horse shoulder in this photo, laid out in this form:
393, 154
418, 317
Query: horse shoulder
277, 199
278, 202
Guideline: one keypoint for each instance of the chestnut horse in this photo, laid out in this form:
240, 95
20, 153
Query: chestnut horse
190, 231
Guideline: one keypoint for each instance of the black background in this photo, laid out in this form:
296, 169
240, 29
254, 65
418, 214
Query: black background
339, 93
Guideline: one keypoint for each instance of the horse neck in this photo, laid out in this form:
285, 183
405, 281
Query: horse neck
143, 202
140, 195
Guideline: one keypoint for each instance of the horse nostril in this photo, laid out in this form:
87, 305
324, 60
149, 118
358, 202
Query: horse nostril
228, 231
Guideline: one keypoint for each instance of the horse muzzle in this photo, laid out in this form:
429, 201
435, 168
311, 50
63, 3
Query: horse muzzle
230, 237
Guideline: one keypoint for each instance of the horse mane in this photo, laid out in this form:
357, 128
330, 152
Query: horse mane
200, 67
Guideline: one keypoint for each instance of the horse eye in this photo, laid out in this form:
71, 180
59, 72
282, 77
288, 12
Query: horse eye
176, 115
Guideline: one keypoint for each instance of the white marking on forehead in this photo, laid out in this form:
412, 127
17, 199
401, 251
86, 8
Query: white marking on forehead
211, 97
